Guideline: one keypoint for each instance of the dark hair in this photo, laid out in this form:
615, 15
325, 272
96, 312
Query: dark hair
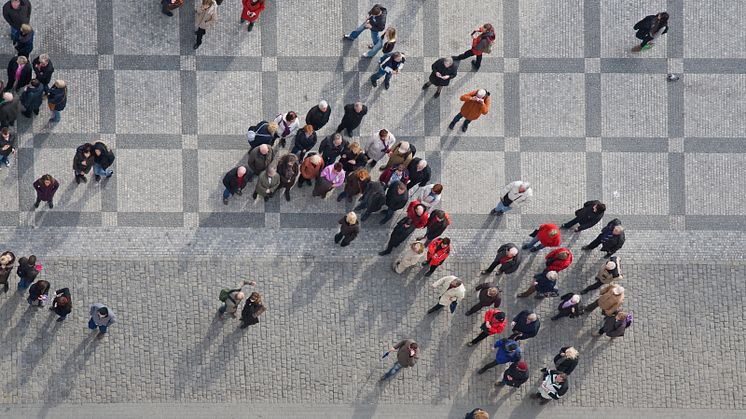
446, 241
5, 130
437, 188
291, 116
338, 166
32, 260
400, 184
413, 345
375, 11
35, 82
383, 133
439, 213
512, 346
103, 311
47, 177
601, 207
63, 301
663, 16
499, 316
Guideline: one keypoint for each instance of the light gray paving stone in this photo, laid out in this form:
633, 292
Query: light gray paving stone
636, 183
706, 178
137, 191
547, 36
231, 102
633, 105
712, 109
552, 105
157, 91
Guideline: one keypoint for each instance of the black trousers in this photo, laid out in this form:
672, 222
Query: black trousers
493, 265
200, 33
492, 364
571, 223
594, 286
480, 337
468, 54
476, 307
348, 129
594, 244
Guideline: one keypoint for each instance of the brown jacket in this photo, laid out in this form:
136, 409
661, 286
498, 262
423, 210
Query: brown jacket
288, 170
402, 355
397, 158
353, 184
609, 302
473, 109
309, 171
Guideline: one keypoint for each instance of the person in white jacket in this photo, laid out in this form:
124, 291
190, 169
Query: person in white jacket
411, 256
429, 196
513, 193
379, 147
451, 290
287, 125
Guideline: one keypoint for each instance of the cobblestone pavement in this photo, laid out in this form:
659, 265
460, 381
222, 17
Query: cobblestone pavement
574, 112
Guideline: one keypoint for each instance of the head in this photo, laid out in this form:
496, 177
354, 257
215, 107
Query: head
355, 148
337, 167
599, 207
5, 259
401, 188
272, 127
47, 180
610, 266
561, 378
315, 159
511, 347
263, 149
447, 62
351, 218
291, 159
308, 129
397, 56
413, 348
103, 312
418, 247
7, 96
60, 84
499, 316
63, 301
390, 32
662, 18
404, 147
621, 316
617, 230
439, 214
522, 366
32, 260
571, 353
240, 296
207, 3
375, 11
5, 132
323, 106
445, 242
363, 175
524, 187
255, 297
551, 275
492, 291
291, 116
26, 29
241, 171
383, 134
618, 290
532, 317
437, 188
422, 165
456, 282
481, 93
513, 252
575, 299
481, 414
271, 171
419, 209
358, 107
44, 59
487, 27
563, 255
15, 3
337, 140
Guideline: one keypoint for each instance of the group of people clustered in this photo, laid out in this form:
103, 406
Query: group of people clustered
339, 163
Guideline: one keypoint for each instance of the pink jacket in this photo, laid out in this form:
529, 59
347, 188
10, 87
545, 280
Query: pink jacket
336, 179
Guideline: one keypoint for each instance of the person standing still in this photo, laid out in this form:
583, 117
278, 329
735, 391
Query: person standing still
443, 71
476, 104
62, 304
318, 116
389, 65
7, 146
46, 186
27, 271
353, 116
252, 309
103, 158
251, 11
57, 99
7, 261
349, 228
82, 162
32, 98
43, 70
16, 13
101, 317
25, 43
205, 17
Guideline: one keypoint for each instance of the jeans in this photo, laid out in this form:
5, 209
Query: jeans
5, 159
392, 372
92, 326
55, 116
381, 73
15, 34
374, 36
468, 54
458, 117
376, 47
227, 194
100, 171
501, 207
534, 244
24, 283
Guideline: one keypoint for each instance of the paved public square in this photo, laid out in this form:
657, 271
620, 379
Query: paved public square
574, 112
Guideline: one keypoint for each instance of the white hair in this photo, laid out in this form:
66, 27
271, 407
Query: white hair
481, 93
323, 104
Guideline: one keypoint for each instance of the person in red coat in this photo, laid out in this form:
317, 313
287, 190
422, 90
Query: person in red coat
494, 324
548, 235
558, 259
482, 39
437, 253
251, 11
417, 212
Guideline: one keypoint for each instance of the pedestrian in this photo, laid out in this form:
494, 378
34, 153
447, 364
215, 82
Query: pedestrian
349, 228
262, 133
355, 184
57, 99
43, 70
547, 235
234, 181
396, 199
517, 192
287, 126
611, 238
544, 284
353, 157
62, 304
16, 13
401, 154
586, 217
19, 73
419, 173
252, 309
411, 256
611, 271
305, 140
506, 260
103, 158
375, 22
82, 162
32, 98
515, 375
7, 145
558, 260
650, 28
310, 169
266, 184
569, 306
332, 147
205, 16
318, 116
231, 298
402, 230
389, 64
332, 177
508, 350
614, 325
373, 199
288, 169
38, 293
353, 116
168, 5
407, 354
429, 196
566, 360
489, 295
25, 43
101, 317
9, 109
525, 325
477, 414
610, 300
437, 223
259, 160
494, 324
443, 71
437, 253
7, 262
418, 213
476, 104
451, 290
251, 11
553, 386
46, 186
385, 43
27, 271
482, 39
379, 147
393, 175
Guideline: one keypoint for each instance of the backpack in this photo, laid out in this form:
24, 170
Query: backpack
225, 293
253, 129
628, 321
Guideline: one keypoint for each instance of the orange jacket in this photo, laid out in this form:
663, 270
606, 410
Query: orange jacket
473, 109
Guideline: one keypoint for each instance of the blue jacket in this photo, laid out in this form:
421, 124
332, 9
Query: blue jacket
58, 97
502, 356
31, 98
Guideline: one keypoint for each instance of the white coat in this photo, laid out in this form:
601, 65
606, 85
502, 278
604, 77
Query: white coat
447, 296
514, 195
375, 149
282, 123
408, 258
429, 201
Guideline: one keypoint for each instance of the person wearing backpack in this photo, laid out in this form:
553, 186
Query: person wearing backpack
482, 39
231, 298
614, 326
262, 133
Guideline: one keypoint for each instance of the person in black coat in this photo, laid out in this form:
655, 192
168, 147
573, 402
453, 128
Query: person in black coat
7, 261
38, 293
7, 145
525, 325
353, 157
419, 173
305, 140
586, 217
650, 27
376, 22
332, 147
82, 162
57, 99
26, 271
10, 107
46, 186
349, 228
489, 294
234, 181
373, 199
252, 309
508, 258
103, 158
16, 15
569, 306
262, 133
24, 77
352, 118
32, 98
437, 223
444, 70
396, 199
515, 375
611, 238
43, 70
402, 230
566, 360
62, 304
318, 116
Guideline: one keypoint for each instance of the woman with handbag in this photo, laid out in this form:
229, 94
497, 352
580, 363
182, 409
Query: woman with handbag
482, 39
252, 309
57, 99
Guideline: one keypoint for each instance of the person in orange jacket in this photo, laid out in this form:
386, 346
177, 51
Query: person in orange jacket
547, 235
494, 324
558, 259
417, 212
476, 104
437, 253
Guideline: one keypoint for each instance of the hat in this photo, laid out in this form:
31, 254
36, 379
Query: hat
499, 316
522, 366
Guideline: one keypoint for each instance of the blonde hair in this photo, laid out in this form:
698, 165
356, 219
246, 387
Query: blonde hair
21, 60
351, 218
208, 2
355, 147
481, 414
256, 297
390, 34
60, 84
571, 353
272, 127
418, 247
315, 159
26, 28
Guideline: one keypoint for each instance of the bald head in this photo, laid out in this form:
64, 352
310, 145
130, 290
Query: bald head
512, 252
263, 149
532, 317
241, 171
422, 165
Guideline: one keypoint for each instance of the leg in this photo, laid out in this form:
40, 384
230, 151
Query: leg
560, 315
476, 307
594, 286
38, 201
515, 335
437, 91
594, 244
354, 34
570, 223
531, 243
431, 270
375, 37
222, 309
465, 55
102, 329
365, 216
477, 62
374, 78
389, 215
345, 242
590, 307
226, 194
435, 308
387, 250
387, 80
200, 33
340, 127
531, 289
338, 237
376, 47
479, 338
465, 125
392, 372
455, 119
341, 196
426, 85
482, 370
492, 266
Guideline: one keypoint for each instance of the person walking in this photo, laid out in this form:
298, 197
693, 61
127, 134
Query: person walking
558, 260
288, 169
287, 126
332, 177
476, 104
544, 284
27, 271
167, 6
650, 28
305, 140
553, 386
103, 158
262, 133
318, 116
25, 43
525, 325
407, 354
566, 360
379, 147
411, 256
57, 99
62, 305
32, 98
46, 186
518, 192
547, 235
611, 238
234, 181
205, 16
515, 375
614, 325
349, 228
477, 414
19, 73
437, 223
355, 184
508, 350
482, 39
82, 162
373, 199
353, 116
451, 290
38, 293
402, 230
443, 71
389, 64
102, 317
385, 43
7, 262
396, 199
401, 155
251, 11
437, 253
43, 70
16, 13
7, 145
489, 295
568, 307
231, 298
259, 160
610, 300
506, 260
310, 169
252, 309
332, 147
586, 217
419, 173
375, 22
266, 184
10, 107
611, 271
494, 324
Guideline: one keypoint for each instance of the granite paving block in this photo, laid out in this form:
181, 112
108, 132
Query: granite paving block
317, 31
550, 174
549, 36
552, 105
82, 111
722, 17
490, 125
69, 27
70, 196
617, 33
149, 181
633, 105
713, 107
156, 91
406, 117
710, 182
212, 166
636, 183
303, 90
229, 38
487, 172
231, 102
462, 21
137, 33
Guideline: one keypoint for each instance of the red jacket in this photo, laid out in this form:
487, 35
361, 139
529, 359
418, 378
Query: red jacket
254, 8
418, 221
488, 37
554, 264
437, 256
495, 327
545, 238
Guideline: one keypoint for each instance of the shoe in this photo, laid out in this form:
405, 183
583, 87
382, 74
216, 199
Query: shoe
77, 180
196, 45
469, 343
36, 204
436, 95
254, 195
534, 249
386, 85
266, 198
525, 246
464, 127
425, 86
481, 371
167, 13
287, 196
370, 46
474, 64
365, 56
84, 179
225, 201
348, 38
383, 253
243, 22
340, 198
60, 319
585, 248
452, 125
251, 27
7, 164
50, 204
373, 82
36, 111
97, 177
283, 142
499, 384
484, 273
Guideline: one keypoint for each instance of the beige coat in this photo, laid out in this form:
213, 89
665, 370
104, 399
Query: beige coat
447, 296
205, 19
397, 158
609, 302
408, 258
605, 276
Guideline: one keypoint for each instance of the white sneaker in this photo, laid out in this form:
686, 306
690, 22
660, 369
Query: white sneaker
7, 164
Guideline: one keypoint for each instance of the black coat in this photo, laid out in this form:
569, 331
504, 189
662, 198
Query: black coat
527, 330
251, 312
45, 193
439, 67
318, 119
378, 23
374, 196
106, 159
394, 201
19, 16
416, 177
79, 158
26, 270
402, 230
563, 364
31, 98
587, 218
5, 272
43, 74
57, 97
349, 231
572, 311
645, 26
519, 377
485, 299
9, 110
613, 243
38, 289
435, 228
352, 119
11, 142
25, 74
262, 135
360, 160
329, 151
230, 180
512, 265
61, 310
304, 143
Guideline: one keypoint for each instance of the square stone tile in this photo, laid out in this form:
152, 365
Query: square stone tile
269, 63
512, 144
460, 187
550, 36
105, 62
229, 38
27, 218
231, 102
302, 90
550, 175
60, 28
212, 166
149, 181
511, 65
70, 196
147, 102
191, 220
592, 65
675, 65
462, 21
272, 220
719, 16
552, 105
636, 183
82, 111
712, 184
191, 142
301, 35
593, 144
403, 119
109, 139
617, 35
713, 109
25, 140
675, 145
108, 219
431, 144
677, 222
490, 125
188, 63
138, 33
9, 185
633, 105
